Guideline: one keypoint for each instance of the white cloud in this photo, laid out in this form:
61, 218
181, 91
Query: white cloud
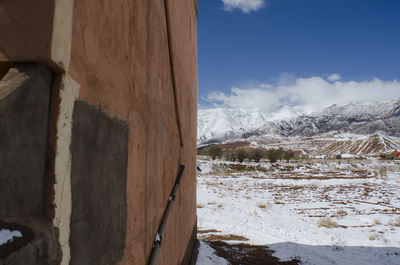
334, 77
309, 93
245, 5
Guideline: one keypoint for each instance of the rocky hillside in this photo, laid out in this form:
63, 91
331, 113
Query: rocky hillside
363, 118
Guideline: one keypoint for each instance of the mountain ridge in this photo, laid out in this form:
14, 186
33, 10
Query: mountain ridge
218, 125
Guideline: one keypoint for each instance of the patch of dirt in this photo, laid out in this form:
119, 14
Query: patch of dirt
233, 168
234, 145
229, 237
243, 254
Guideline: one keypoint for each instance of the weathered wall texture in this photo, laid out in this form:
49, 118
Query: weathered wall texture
24, 114
120, 57
24, 117
99, 150
132, 62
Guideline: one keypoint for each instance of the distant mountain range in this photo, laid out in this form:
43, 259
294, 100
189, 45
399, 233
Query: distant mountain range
360, 118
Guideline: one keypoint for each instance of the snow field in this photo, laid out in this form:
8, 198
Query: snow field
323, 212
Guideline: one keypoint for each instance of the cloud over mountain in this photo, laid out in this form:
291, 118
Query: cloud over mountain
309, 93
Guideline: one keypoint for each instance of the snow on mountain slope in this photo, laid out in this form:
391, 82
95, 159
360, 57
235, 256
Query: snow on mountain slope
217, 125
358, 110
222, 124
331, 144
355, 117
226, 124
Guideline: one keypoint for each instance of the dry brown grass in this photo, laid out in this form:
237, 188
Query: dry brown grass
207, 231
327, 222
382, 172
319, 175
367, 190
200, 205
212, 184
229, 237
264, 206
287, 168
340, 213
397, 222
373, 237
377, 222
240, 168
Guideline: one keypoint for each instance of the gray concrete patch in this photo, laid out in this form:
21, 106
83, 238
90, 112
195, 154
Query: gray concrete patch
24, 114
98, 179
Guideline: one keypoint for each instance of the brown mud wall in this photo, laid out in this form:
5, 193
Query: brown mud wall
121, 59
128, 71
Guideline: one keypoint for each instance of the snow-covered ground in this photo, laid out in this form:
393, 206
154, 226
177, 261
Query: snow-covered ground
6, 235
321, 211
207, 256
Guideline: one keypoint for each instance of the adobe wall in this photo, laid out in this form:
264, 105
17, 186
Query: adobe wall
120, 58
122, 119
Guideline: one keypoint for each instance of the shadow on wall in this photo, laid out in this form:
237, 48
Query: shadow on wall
24, 118
295, 253
4, 68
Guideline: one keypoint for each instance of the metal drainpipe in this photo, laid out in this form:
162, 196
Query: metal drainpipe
160, 232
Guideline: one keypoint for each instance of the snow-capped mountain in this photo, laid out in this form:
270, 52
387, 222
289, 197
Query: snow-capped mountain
227, 124
217, 125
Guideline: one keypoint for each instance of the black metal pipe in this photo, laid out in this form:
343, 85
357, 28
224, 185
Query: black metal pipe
161, 229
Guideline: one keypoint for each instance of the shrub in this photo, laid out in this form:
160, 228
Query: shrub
341, 213
373, 237
241, 155
287, 155
377, 222
264, 206
397, 221
201, 151
256, 154
215, 152
326, 222
383, 172
230, 155
273, 155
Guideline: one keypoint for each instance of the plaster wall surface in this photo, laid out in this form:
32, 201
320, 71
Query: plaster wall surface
121, 59
133, 65
24, 114
25, 93
99, 149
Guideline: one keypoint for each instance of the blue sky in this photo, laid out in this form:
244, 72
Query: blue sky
249, 47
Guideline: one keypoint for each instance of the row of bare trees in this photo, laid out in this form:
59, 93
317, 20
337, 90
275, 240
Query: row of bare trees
254, 154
